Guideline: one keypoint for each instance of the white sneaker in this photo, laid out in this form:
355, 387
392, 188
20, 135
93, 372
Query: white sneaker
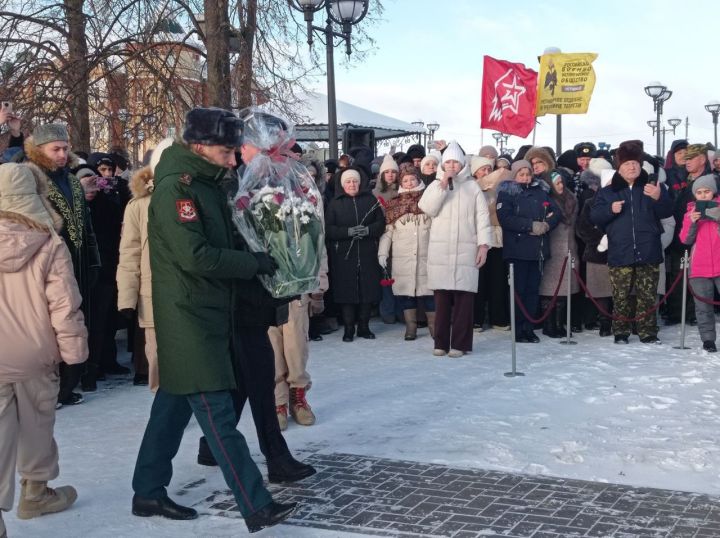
455, 353
439, 352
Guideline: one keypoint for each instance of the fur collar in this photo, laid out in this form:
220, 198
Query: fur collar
139, 183
618, 183
22, 219
35, 155
513, 188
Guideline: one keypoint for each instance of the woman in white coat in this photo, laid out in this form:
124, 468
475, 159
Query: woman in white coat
459, 239
407, 233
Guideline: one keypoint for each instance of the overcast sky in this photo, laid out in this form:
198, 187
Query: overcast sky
428, 63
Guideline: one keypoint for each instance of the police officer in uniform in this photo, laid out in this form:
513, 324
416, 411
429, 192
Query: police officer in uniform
195, 271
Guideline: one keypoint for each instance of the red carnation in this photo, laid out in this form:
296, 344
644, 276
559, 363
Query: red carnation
546, 204
278, 198
313, 199
243, 202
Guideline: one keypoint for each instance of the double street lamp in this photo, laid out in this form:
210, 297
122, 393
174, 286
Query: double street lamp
346, 14
500, 141
659, 94
714, 108
420, 124
673, 122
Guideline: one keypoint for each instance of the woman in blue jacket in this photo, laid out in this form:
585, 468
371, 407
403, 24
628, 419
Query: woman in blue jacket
526, 214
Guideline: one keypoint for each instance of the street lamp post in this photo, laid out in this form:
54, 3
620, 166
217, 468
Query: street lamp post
714, 108
659, 94
432, 127
500, 141
420, 124
346, 13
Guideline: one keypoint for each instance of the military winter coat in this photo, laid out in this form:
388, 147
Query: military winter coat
354, 270
194, 268
634, 233
518, 206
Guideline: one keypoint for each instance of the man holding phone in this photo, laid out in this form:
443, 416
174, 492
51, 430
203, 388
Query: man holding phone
13, 136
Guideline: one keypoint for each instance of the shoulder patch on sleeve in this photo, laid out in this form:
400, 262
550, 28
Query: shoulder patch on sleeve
186, 210
185, 179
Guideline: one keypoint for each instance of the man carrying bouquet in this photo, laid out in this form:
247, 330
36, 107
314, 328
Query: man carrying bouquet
196, 270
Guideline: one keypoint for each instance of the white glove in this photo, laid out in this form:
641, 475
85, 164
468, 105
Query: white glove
382, 260
603, 245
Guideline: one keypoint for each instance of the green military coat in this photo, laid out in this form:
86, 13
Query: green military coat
193, 265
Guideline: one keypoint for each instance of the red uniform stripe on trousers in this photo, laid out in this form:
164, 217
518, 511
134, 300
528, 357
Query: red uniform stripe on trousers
222, 447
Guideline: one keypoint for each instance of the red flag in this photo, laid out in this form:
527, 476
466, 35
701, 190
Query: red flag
509, 93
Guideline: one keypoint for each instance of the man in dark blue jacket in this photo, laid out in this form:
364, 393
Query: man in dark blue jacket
629, 211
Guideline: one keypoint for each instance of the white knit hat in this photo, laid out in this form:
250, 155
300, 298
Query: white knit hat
598, 164
388, 164
478, 162
606, 177
453, 152
157, 152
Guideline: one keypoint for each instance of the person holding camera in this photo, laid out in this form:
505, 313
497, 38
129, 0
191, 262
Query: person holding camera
11, 141
195, 274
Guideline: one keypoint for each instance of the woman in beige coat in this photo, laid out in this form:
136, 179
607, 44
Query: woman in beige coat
133, 272
407, 234
40, 325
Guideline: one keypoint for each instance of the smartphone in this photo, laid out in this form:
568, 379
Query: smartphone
7, 106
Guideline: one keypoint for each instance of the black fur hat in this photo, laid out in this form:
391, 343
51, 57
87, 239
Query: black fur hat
213, 127
630, 150
416, 151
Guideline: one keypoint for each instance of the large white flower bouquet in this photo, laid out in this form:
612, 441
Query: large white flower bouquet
278, 210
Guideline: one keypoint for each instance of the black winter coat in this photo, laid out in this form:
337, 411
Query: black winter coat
518, 206
634, 233
106, 211
590, 235
354, 270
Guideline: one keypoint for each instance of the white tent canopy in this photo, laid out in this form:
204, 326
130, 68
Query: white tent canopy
315, 128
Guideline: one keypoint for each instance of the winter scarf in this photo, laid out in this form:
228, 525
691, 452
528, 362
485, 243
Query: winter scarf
405, 203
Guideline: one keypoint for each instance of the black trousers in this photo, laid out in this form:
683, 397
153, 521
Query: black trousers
254, 369
103, 325
493, 290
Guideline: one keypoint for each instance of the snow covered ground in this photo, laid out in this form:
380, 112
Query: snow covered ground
642, 415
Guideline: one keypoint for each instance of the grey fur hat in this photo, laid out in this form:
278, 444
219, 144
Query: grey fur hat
50, 132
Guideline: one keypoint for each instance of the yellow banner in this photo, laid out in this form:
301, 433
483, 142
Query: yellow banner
565, 83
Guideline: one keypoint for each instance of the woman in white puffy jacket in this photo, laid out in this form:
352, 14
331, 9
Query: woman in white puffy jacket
407, 233
459, 243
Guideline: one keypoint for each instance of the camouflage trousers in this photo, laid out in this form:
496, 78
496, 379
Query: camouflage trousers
643, 281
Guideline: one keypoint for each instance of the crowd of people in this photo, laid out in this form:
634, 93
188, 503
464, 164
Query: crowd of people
423, 238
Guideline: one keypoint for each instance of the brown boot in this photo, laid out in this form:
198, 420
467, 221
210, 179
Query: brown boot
410, 323
37, 499
431, 323
299, 408
282, 414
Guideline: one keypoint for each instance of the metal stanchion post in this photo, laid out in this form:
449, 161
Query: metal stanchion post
570, 264
511, 281
684, 264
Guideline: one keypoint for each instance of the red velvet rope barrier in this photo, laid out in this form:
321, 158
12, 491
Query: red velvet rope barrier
623, 318
553, 301
702, 299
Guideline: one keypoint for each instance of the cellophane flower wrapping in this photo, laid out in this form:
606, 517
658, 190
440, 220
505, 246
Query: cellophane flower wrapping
278, 209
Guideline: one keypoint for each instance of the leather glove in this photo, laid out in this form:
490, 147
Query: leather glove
127, 313
539, 228
362, 231
382, 260
266, 264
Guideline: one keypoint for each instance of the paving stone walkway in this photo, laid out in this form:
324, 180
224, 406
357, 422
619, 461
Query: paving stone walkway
384, 497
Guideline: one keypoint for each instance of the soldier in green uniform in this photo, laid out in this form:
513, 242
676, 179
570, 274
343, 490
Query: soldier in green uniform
194, 274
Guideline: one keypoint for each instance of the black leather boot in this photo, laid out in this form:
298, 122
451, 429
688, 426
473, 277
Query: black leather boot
285, 469
364, 322
348, 319
270, 515
205, 456
550, 325
165, 507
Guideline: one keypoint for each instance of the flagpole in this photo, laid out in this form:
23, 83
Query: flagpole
558, 135
534, 129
